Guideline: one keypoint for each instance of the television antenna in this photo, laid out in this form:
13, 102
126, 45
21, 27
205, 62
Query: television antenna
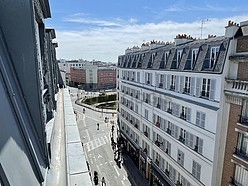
203, 21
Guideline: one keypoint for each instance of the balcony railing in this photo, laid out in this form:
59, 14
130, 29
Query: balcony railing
157, 124
181, 139
241, 154
204, 94
169, 110
238, 86
186, 90
243, 120
168, 131
158, 106
160, 85
146, 134
172, 87
183, 116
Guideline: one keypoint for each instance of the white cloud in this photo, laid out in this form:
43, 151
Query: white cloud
107, 43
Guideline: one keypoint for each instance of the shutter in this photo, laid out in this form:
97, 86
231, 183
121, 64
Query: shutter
146, 77
188, 114
153, 118
198, 115
173, 108
154, 100
177, 110
191, 141
200, 145
176, 131
157, 79
177, 83
212, 89
151, 83
181, 84
192, 86
164, 83
168, 82
198, 87
203, 117
187, 138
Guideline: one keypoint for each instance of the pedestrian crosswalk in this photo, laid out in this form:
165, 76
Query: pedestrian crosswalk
93, 144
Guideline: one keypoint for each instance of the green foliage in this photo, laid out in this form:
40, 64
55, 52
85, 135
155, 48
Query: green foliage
100, 99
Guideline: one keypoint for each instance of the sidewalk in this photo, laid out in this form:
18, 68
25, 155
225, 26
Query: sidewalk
133, 172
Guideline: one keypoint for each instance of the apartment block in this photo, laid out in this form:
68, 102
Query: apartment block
173, 109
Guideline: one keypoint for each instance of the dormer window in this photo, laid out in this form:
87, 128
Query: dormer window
166, 56
214, 51
179, 56
193, 57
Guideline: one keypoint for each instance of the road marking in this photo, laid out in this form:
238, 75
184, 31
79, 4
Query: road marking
106, 162
122, 182
99, 156
116, 171
101, 164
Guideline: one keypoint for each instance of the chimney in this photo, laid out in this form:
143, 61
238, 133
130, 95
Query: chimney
231, 29
182, 39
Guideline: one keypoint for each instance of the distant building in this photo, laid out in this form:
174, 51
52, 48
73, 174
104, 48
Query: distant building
92, 77
182, 108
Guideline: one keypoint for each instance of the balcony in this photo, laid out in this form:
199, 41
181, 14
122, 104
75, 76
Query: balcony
172, 87
243, 120
242, 154
168, 131
132, 79
183, 116
158, 106
146, 100
131, 94
131, 108
136, 126
137, 97
204, 94
237, 86
160, 85
131, 121
157, 124
146, 134
186, 90
158, 143
127, 78
148, 82
169, 110
181, 139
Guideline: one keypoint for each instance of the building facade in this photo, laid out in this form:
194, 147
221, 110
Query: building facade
92, 77
235, 170
172, 114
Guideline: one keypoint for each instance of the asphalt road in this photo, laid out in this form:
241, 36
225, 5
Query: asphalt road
97, 143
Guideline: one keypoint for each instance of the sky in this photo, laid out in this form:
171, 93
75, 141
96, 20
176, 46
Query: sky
103, 29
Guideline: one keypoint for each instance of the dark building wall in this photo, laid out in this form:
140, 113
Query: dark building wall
23, 148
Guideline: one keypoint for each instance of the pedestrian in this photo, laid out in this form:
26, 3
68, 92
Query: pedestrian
103, 181
97, 126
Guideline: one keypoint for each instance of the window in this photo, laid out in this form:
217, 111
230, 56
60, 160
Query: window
161, 81
172, 83
196, 170
180, 157
166, 56
168, 148
148, 78
186, 85
185, 182
242, 146
205, 87
193, 57
172, 173
214, 51
200, 119
174, 131
241, 176
179, 56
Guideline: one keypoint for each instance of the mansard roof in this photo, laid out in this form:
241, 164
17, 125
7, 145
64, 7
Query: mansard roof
155, 58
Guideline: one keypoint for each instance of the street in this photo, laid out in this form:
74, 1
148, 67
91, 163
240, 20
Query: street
97, 143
